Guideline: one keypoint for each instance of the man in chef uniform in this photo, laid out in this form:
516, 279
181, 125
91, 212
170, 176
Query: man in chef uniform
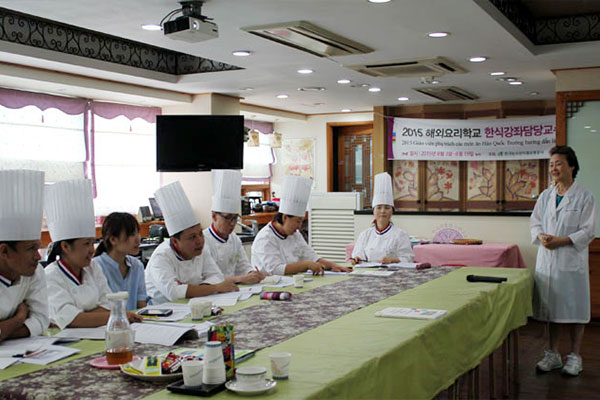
24, 302
179, 268
224, 246
279, 249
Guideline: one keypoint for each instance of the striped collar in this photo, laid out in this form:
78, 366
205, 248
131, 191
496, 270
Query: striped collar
213, 233
69, 272
176, 251
6, 282
384, 230
276, 232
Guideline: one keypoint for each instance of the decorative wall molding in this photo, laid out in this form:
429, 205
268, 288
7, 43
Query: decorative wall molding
567, 29
573, 107
38, 32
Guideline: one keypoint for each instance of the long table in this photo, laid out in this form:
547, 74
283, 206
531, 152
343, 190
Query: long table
360, 356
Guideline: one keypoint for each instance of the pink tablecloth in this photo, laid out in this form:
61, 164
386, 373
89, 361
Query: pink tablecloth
481, 255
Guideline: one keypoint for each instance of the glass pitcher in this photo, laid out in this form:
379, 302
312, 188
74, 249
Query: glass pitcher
119, 335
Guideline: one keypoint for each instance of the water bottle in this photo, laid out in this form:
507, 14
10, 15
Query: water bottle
119, 335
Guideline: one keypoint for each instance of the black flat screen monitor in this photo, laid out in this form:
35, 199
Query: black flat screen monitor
156, 211
199, 142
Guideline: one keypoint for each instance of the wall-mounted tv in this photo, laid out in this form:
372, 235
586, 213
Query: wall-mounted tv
199, 142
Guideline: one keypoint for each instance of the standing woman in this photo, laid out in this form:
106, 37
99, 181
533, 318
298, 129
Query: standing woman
383, 242
123, 272
77, 287
563, 223
279, 249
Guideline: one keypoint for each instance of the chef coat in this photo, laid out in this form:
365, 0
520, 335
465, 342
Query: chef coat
168, 274
68, 295
272, 251
228, 253
133, 283
562, 288
374, 245
32, 290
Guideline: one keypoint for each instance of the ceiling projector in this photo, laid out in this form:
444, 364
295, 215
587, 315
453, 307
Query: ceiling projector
192, 26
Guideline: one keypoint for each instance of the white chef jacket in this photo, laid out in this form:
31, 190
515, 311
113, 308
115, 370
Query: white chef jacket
374, 245
272, 251
68, 296
168, 275
228, 253
32, 290
562, 287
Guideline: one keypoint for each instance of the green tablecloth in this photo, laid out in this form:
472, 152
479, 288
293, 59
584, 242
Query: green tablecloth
361, 356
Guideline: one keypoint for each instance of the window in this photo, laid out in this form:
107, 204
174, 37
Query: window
258, 161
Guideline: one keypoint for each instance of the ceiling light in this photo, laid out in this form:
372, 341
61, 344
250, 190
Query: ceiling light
364, 85
247, 88
403, 98
435, 82
282, 96
499, 73
477, 59
344, 81
534, 93
587, 127
593, 130
151, 27
516, 83
346, 109
437, 34
241, 53
508, 79
311, 89
374, 89
305, 71
379, 1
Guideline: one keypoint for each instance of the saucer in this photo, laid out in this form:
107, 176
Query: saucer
264, 387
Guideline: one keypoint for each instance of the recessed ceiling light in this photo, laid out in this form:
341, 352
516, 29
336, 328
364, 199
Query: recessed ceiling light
499, 73
379, 1
593, 130
477, 59
435, 82
346, 109
374, 89
151, 27
437, 34
247, 88
364, 85
305, 71
509, 79
403, 98
282, 96
344, 81
311, 89
241, 53
534, 93
516, 83
587, 127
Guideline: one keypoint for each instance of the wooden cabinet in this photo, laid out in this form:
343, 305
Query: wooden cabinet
595, 277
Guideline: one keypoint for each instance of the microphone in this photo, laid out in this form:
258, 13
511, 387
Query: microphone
489, 279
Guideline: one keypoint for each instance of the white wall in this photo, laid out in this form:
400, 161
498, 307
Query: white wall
491, 229
314, 127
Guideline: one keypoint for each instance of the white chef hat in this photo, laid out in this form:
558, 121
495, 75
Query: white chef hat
382, 190
69, 209
226, 185
21, 204
176, 207
294, 195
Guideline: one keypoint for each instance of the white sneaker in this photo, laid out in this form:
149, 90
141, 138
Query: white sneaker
573, 366
550, 361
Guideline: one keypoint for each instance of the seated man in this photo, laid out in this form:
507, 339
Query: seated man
24, 302
179, 268
224, 246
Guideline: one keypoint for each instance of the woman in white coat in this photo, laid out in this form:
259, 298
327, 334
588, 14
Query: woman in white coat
383, 242
563, 223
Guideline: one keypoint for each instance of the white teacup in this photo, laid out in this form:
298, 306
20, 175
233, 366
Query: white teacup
299, 280
200, 308
280, 365
192, 372
251, 376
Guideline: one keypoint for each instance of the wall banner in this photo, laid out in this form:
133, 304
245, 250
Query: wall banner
465, 140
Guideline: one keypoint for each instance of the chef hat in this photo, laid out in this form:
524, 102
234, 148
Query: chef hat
226, 185
177, 209
382, 190
69, 210
295, 194
21, 204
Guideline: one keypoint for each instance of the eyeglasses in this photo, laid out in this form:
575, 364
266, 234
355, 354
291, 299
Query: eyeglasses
229, 217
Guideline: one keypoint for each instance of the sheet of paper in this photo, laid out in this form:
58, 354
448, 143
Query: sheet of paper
11, 347
180, 311
368, 264
413, 313
49, 354
7, 362
223, 299
381, 274
83, 333
161, 333
285, 281
405, 265
336, 273
247, 291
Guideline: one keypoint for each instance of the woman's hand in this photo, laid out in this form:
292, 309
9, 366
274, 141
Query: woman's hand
315, 267
252, 278
133, 317
355, 260
389, 260
553, 242
339, 268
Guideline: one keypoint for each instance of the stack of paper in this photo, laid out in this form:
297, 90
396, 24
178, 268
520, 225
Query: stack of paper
33, 350
163, 333
416, 313
381, 274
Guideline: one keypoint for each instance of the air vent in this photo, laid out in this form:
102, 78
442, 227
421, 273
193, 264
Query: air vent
409, 68
447, 93
307, 37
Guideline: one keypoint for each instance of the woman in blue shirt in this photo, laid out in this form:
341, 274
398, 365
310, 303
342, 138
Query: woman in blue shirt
120, 241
